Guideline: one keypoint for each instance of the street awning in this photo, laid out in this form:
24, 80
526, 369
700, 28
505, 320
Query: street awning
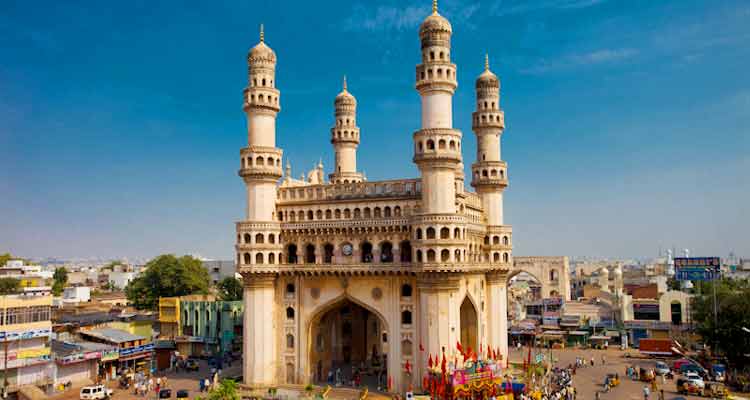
599, 337
578, 333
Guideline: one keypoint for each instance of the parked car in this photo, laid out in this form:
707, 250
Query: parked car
165, 394
695, 378
182, 394
661, 368
192, 364
95, 392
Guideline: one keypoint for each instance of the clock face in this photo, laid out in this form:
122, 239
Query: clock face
347, 249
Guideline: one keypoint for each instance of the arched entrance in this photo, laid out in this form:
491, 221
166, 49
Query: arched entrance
469, 325
347, 346
676, 311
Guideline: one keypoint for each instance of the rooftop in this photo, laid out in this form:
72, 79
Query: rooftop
112, 335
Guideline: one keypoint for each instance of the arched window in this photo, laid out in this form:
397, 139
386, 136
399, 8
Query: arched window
405, 247
457, 233
430, 233
376, 212
247, 259
319, 214
505, 240
457, 255
397, 211
496, 240
505, 257
259, 238
310, 215
271, 238
387, 212
290, 313
269, 162
367, 212
441, 144
430, 145
271, 258
496, 257
337, 213
430, 255
406, 290
347, 213
247, 238
328, 214
290, 341
328, 253
419, 255
259, 161
486, 240
445, 255
290, 290
366, 252
406, 317
357, 213
445, 233
291, 254
301, 215
386, 252
552, 274
419, 233
310, 254
259, 258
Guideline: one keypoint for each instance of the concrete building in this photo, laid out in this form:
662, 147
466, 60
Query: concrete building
77, 361
392, 264
76, 294
24, 341
133, 351
218, 270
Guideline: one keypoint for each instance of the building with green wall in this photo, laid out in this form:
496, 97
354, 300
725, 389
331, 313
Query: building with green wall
215, 324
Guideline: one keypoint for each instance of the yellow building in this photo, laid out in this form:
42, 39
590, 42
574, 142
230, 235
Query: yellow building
24, 334
169, 317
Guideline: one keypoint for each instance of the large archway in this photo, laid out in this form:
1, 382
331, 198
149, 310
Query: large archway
524, 289
469, 325
347, 346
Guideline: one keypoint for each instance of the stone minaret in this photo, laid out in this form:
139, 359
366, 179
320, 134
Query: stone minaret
345, 138
258, 236
437, 146
490, 178
489, 172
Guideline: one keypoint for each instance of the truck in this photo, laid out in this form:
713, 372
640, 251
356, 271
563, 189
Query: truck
656, 347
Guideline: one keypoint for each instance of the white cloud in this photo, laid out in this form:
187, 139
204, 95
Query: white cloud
510, 7
405, 17
603, 56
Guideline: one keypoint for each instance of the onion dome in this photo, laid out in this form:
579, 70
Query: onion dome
261, 52
487, 78
434, 23
345, 98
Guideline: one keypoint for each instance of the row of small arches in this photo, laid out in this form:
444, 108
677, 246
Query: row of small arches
340, 122
496, 240
438, 72
259, 238
346, 134
260, 161
366, 255
262, 81
267, 98
487, 118
484, 105
442, 144
445, 233
261, 258
346, 213
441, 55
491, 173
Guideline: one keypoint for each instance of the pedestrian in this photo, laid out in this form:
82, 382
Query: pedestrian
207, 384
646, 392
661, 394
592, 361
597, 396
604, 360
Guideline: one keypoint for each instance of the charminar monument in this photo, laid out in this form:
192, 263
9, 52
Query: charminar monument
352, 278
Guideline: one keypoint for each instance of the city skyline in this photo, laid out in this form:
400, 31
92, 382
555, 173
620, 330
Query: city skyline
122, 131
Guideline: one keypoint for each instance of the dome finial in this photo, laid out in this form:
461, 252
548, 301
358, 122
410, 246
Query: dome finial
344, 82
434, 6
262, 36
486, 62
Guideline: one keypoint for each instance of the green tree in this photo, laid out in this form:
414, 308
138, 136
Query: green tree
4, 258
167, 276
60, 278
724, 332
227, 390
9, 286
230, 289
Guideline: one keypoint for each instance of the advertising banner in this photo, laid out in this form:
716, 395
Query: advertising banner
697, 268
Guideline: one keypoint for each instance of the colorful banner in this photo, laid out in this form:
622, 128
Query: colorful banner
135, 350
33, 353
20, 335
110, 355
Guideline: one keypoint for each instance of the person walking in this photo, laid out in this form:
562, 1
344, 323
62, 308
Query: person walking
646, 392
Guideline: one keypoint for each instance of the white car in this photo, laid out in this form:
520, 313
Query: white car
95, 392
661, 368
696, 379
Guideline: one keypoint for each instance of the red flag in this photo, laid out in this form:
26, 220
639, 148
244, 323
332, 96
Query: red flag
390, 383
489, 351
425, 383
429, 361
459, 348
407, 367
442, 365
421, 348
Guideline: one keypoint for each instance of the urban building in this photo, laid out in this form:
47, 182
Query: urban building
77, 361
133, 351
25, 329
76, 294
218, 270
349, 271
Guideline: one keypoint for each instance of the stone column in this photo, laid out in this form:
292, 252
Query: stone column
437, 323
497, 314
260, 330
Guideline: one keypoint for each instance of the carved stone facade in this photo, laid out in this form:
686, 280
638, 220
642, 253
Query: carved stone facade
353, 272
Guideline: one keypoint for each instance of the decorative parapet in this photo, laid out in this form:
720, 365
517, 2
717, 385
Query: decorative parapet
411, 188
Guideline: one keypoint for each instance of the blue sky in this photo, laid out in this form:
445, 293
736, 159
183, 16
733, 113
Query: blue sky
121, 122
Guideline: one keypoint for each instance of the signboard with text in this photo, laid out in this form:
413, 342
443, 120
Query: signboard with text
697, 268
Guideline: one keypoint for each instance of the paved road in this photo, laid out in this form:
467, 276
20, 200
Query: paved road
588, 380
175, 381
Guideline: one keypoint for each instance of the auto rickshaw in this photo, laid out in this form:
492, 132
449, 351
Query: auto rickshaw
646, 375
183, 395
688, 387
716, 390
612, 380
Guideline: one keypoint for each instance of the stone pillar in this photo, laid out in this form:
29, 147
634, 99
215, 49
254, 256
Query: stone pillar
260, 331
437, 320
497, 314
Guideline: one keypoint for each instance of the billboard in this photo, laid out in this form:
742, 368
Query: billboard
697, 268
